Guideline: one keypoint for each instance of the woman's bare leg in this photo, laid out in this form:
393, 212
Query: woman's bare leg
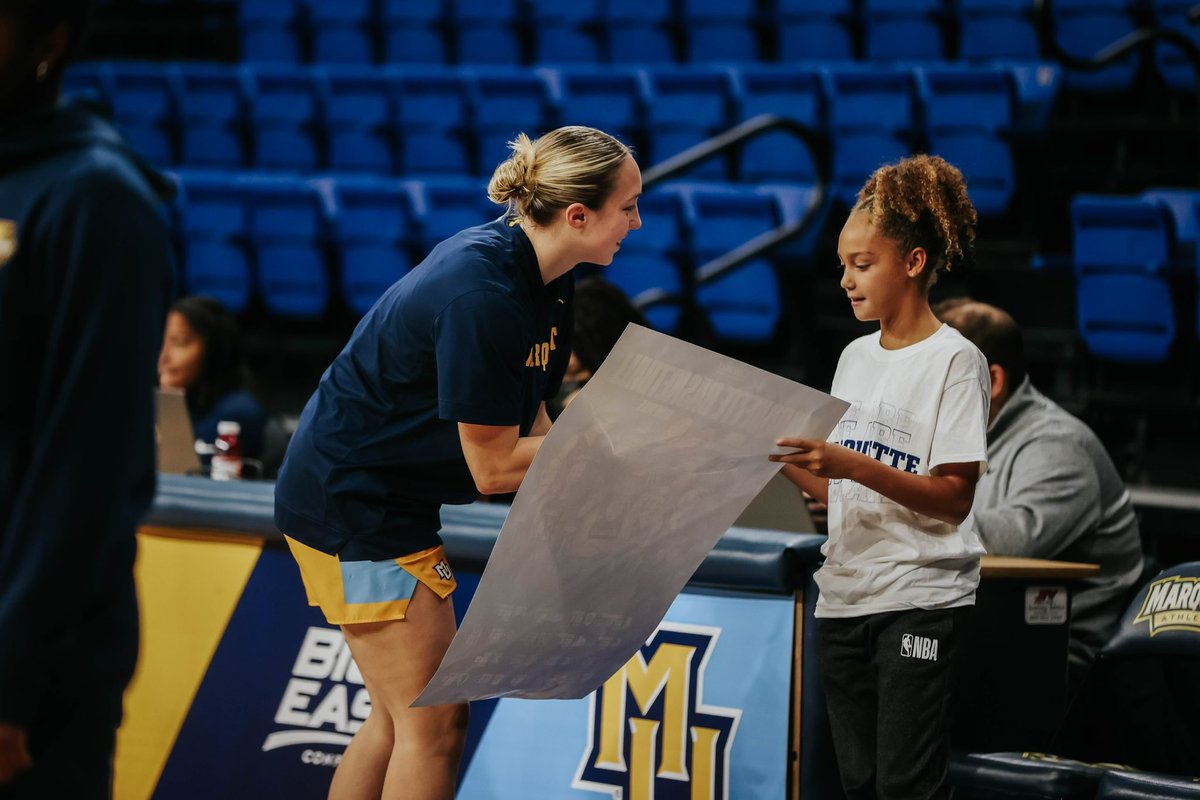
397, 659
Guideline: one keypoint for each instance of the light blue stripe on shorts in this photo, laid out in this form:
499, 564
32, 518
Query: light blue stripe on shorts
376, 582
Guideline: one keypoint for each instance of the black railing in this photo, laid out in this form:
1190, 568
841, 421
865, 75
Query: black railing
1142, 38
735, 137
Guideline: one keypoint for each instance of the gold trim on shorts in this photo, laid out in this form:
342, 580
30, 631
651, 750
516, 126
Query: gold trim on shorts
349, 592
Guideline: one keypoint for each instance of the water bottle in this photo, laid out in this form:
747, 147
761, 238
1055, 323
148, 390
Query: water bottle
227, 452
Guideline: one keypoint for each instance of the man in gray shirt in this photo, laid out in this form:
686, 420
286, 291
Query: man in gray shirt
1050, 490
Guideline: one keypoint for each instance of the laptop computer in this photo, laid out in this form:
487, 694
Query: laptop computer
780, 507
173, 430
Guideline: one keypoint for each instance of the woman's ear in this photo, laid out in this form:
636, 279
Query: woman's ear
576, 215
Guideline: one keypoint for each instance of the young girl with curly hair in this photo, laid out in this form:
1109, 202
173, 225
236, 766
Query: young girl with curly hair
898, 473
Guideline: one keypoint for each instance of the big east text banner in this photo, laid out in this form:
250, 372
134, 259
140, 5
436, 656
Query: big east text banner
637, 480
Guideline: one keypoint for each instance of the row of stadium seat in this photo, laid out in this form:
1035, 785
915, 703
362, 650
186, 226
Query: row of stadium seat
298, 244
694, 31
1129, 253
457, 120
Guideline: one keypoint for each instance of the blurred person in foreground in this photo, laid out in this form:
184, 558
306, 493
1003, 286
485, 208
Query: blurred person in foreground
85, 280
1051, 490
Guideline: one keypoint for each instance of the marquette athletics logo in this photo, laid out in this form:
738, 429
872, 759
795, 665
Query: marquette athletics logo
539, 354
652, 737
1172, 604
325, 701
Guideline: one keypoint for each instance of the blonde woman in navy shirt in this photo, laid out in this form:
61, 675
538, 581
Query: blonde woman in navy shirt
438, 397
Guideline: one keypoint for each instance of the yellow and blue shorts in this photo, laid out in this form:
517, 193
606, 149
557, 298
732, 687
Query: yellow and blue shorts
349, 592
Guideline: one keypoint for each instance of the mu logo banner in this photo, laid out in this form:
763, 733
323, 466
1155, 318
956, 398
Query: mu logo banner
652, 737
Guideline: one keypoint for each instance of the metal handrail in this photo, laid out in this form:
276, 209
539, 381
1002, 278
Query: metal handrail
1140, 38
722, 265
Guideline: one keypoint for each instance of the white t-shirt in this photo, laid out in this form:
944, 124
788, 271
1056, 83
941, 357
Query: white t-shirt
913, 409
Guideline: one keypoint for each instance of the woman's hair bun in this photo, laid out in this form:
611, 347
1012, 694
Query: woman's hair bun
514, 179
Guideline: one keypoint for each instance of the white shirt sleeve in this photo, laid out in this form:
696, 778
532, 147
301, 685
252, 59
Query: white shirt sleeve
960, 435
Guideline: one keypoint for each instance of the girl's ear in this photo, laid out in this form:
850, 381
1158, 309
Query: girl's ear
916, 262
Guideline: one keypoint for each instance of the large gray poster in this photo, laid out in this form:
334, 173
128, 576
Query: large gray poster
637, 480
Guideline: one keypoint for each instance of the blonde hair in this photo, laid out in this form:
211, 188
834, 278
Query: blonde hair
568, 165
922, 202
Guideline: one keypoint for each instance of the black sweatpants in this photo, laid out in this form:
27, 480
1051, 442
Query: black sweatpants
72, 737
889, 683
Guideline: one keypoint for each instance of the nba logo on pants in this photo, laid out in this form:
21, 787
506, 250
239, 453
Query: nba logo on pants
921, 647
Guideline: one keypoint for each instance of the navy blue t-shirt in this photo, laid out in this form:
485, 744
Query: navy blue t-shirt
471, 335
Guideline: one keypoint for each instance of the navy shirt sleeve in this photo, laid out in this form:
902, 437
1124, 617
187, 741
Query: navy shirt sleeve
481, 346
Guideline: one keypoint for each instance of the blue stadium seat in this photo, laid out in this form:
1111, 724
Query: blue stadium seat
342, 31
968, 110
566, 33
800, 93
817, 30
1147, 786
212, 229
720, 30
270, 31
1125, 317
357, 108
1184, 207
1123, 248
962, 98
685, 106
283, 111
505, 103
649, 261
432, 111
872, 119
143, 104
1036, 86
285, 218
903, 29
662, 228
997, 29
651, 281
1182, 204
609, 98
485, 32
211, 100
89, 78
639, 33
985, 161
372, 221
444, 206
1172, 64
412, 32
1084, 28
793, 202
1121, 235
743, 306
